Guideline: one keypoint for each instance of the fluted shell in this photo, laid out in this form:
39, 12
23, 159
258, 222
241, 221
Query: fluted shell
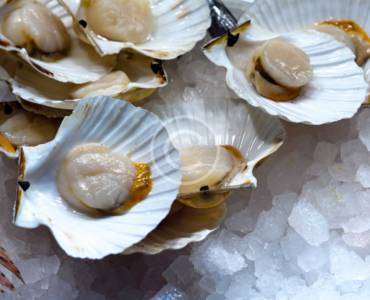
178, 26
183, 225
289, 16
145, 76
222, 122
336, 91
82, 64
124, 128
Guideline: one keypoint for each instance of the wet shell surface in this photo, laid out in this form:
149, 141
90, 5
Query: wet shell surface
183, 225
177, 26
126, 130
247, 132
135, 77
289, 16
80, 64
337, 88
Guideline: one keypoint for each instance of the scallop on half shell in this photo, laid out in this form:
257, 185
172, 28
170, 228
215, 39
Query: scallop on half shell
19, 127
162, 29
345, 20
133, 78
318, 82
220, 143
103, 183
41, 33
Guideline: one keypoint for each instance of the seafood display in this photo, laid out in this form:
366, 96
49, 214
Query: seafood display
108, 177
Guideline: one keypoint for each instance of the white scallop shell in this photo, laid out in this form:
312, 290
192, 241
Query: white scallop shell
183, 225
220, 121
33, 87
81, 65
179, 25
291, 15
281, 16
336, 91
124, 128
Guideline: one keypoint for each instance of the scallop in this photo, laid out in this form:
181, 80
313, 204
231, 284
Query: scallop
346, 15
205, 167
134, 78
93, 178
19, 127
119, 20
220, 142
107, 179
109, 85
30, 24
41, 33
303, 76
279, 70
160, 29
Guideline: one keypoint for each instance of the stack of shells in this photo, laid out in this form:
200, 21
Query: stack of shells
111, 173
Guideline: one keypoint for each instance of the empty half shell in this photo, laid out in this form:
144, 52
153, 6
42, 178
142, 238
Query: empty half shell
35, 30
105, 145
220, 142
134, 77
335, 91
182, 226
161, 29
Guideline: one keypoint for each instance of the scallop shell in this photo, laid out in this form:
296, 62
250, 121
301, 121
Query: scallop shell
81, 65
125, 129
314, 11
179, 25
146, 76
221, 122
336, 92
183, 225
292, 15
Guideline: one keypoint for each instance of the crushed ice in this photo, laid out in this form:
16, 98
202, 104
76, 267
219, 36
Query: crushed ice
303, 234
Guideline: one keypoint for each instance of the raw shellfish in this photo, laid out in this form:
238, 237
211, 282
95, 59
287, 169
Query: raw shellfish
73, 61
165, 30
19, 127
125, 130
135, 77
337, 88
229, 139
